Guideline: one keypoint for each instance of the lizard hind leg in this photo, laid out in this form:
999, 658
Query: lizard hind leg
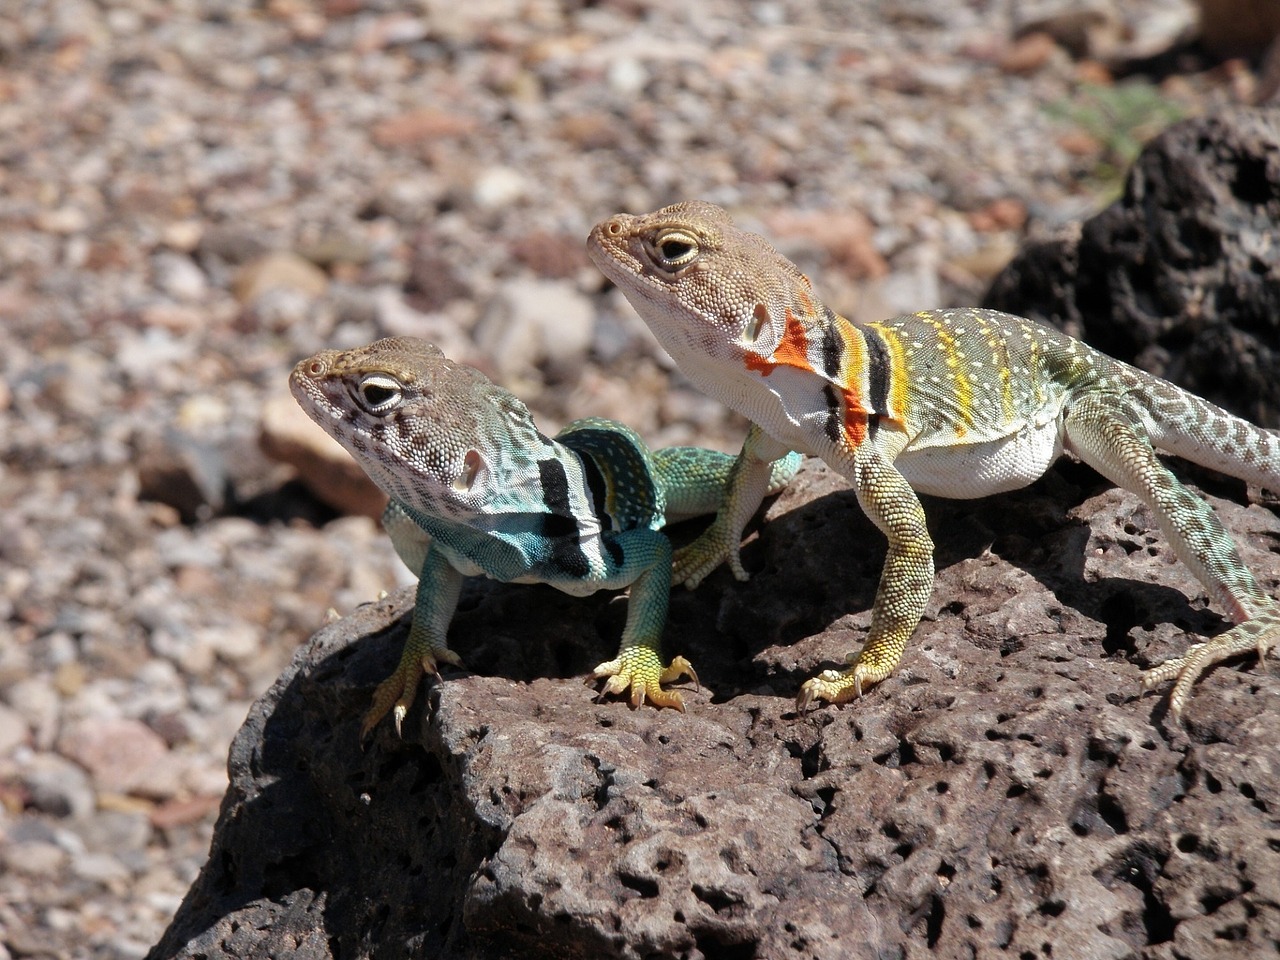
1105, 432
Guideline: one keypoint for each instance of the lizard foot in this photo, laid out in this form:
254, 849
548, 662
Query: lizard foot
1258, 635
641, 670
838, 686
399, 689
692, 563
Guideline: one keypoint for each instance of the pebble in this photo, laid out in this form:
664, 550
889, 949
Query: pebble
177, 276
278, 270
122, 756
533, 323
13, 729
259, 181
58, 787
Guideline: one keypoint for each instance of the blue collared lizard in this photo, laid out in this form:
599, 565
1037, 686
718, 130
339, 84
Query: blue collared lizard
477, 490
955, 403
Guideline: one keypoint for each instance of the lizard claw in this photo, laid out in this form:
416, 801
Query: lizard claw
1253, 636
397, 693
833, 686
640, 670
839, 686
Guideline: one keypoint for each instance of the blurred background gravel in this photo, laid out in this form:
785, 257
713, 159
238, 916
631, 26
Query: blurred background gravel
194, 194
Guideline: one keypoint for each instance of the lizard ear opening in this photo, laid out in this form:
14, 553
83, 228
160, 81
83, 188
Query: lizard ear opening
759, 320
473, 468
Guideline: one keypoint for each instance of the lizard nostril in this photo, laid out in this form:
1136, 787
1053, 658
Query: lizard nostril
315, 368
613, 228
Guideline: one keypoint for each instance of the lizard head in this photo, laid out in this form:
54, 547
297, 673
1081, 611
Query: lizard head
707, 289
436, 435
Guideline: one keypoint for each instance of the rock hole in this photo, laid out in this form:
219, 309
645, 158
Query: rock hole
1120, 615
826, 797
907, 754
1250, 184
711, 944
721, 901
1234, 932
933, 921
1113, 814
1214, 899
811, 762
645, 886
1052, 908
1188, 843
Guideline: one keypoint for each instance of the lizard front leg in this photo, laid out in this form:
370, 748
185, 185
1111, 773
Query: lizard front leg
638, 665
439, 585
905, 582
1103, 430
750, 479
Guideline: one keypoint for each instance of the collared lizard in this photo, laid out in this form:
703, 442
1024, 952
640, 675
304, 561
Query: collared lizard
955, 403
476, 489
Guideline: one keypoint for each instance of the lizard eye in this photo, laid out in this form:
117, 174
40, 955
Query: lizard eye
379, 394
675, 248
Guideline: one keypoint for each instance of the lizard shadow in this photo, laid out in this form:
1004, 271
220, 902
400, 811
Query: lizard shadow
822, 561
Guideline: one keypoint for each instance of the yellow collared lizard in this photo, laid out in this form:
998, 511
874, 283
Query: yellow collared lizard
954, 403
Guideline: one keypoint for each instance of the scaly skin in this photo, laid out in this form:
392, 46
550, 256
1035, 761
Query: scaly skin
476, 489
954, 403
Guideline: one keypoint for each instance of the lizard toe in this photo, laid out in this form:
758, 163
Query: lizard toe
641, 672
397, 692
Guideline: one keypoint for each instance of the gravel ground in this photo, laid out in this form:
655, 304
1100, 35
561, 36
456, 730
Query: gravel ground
196, 193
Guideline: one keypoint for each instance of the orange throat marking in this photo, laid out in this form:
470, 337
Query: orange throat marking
792, 351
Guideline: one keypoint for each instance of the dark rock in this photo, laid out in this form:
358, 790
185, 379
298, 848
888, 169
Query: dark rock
1007, 792
1181, 275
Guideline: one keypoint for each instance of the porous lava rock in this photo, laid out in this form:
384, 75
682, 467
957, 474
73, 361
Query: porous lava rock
1181, 275
1008, 791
